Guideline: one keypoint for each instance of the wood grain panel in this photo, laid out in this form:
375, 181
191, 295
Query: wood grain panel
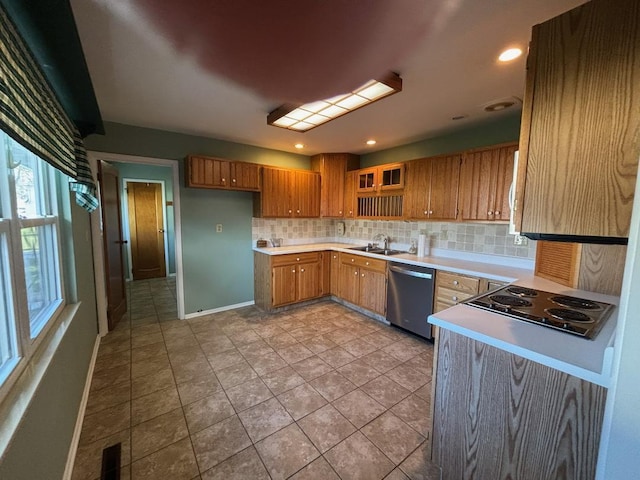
499, 416
349, 283
350, 199
583, 143
602, 268
308, 281
262, 280
332, 168
283, 285
294, 258
334, 284
558, 261
418, 184
373, 291
443, 192
275, 198
458, 282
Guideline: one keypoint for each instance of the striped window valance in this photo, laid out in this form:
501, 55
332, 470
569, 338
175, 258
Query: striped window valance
31, 114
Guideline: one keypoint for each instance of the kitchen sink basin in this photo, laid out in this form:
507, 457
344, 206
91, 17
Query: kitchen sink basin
376, 250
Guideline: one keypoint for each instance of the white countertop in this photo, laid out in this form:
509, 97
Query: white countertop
586, 359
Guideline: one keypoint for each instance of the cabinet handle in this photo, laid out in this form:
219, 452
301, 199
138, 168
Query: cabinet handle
350, 212
366, 263
430, 212
233, 180
340, 212
289, 211
455, 282
497, 212
426, 212
298, 211
293, 271
297, 259
302, 270
363, 274
355, 273
335, 256
353, 259
489, 212
454, 298
223, 180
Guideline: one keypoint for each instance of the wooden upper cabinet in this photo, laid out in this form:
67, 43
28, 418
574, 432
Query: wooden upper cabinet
579, 140
381, 178
207, 172
350, 199
332, 168
485, 180
288, 193
432, 188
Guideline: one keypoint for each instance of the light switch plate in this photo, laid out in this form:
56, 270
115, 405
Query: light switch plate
219, 228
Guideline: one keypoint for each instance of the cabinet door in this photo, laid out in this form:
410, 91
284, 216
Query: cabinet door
504, 178
443, 192
372, 291
579, 143
367, 180
349, 283
391, 177
207, 172
283, 281
416, 192
305, 194
332, 168
245, 176
350, 200
276, 193
308, 281
475, 185
334, 284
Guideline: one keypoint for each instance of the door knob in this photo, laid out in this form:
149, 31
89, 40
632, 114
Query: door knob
161, 231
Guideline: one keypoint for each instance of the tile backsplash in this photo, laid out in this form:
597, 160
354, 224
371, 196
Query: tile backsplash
487, 239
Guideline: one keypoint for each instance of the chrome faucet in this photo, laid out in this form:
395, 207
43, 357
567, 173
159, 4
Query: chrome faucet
385, 238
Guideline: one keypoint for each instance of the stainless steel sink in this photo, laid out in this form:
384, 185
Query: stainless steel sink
376, 250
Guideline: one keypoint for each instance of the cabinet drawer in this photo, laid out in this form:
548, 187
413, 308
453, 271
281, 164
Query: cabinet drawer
457, 281
451, 296
294, 258
362, 261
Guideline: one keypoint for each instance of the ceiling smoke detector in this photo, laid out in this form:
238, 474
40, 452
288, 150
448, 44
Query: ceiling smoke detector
502, 104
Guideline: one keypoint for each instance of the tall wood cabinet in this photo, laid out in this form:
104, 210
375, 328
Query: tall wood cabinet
350, 198
333, 168
431, 190
485, 181
580, 133
288, 193
208, 172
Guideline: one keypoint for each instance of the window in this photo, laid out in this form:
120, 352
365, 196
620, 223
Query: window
31, 283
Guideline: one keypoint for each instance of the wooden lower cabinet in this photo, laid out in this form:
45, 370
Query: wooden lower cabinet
453, 288
286, 279
363, 282
499, 416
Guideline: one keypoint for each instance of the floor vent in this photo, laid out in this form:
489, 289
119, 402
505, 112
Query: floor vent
111, 462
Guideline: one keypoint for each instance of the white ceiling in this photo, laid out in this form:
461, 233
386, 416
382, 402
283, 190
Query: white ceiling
140, 79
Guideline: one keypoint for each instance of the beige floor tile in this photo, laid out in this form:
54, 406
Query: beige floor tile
139, 341
312, 367
414, 411
159, 432
153, 382
286, 451
266, 363
424, 392
281, 341
151, 365
282, 380
396, 474
110, 377
378, 339
214, 343
236, 374
88, 459
208, 411
356, 458
418, 466
359, 348
255, 349
242, 466
264, 419
145, 331
176, 462
385, 391
400, 351
394, 437
326, 427
319, 344
215, 444
332, 385
108, 397
381, 361
248, 394
319, 469
423, 363
183, 342
106, 422
337, 357
117, 359
302, 400
228, 358
114, 347
303, 333
268, 331
199, 388
295, 353
359, 372
243, 338
359, 408
183, 372
149, 406
340, 336
408, 377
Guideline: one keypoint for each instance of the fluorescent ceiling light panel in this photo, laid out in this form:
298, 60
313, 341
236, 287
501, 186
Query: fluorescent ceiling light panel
305, 117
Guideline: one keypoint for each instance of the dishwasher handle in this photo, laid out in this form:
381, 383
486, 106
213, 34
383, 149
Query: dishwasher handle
411, 273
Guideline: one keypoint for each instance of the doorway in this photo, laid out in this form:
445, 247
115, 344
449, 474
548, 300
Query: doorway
146, 226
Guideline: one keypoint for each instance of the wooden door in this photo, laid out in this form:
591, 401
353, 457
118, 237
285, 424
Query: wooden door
504, 178
146, 229
372, 291
276, 193
391, 177
443, 192
112, 239
308, 281
349, 282
305, 194
284, 285
350, 201
416, 193
245, 176
475, 184
367, 180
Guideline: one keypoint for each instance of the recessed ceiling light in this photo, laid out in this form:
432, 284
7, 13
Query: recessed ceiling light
496, 107
299, 145
510, 54
371, 142
305, 117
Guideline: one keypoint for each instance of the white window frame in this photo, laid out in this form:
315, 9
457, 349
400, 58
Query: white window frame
10, 224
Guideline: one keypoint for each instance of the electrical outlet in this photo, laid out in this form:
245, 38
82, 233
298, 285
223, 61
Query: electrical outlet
520, 240
219, 228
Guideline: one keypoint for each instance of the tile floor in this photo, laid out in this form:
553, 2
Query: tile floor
317, 392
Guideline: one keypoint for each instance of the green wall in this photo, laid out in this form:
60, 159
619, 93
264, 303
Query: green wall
40, 445
152, 172
218, 267
505, 129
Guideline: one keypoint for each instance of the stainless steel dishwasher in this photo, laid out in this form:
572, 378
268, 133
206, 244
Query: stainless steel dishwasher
410, 297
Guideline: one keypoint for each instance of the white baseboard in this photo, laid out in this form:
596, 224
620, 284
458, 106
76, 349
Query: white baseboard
220, 309
73, 448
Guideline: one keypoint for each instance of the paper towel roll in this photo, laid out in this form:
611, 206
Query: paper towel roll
422, 241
